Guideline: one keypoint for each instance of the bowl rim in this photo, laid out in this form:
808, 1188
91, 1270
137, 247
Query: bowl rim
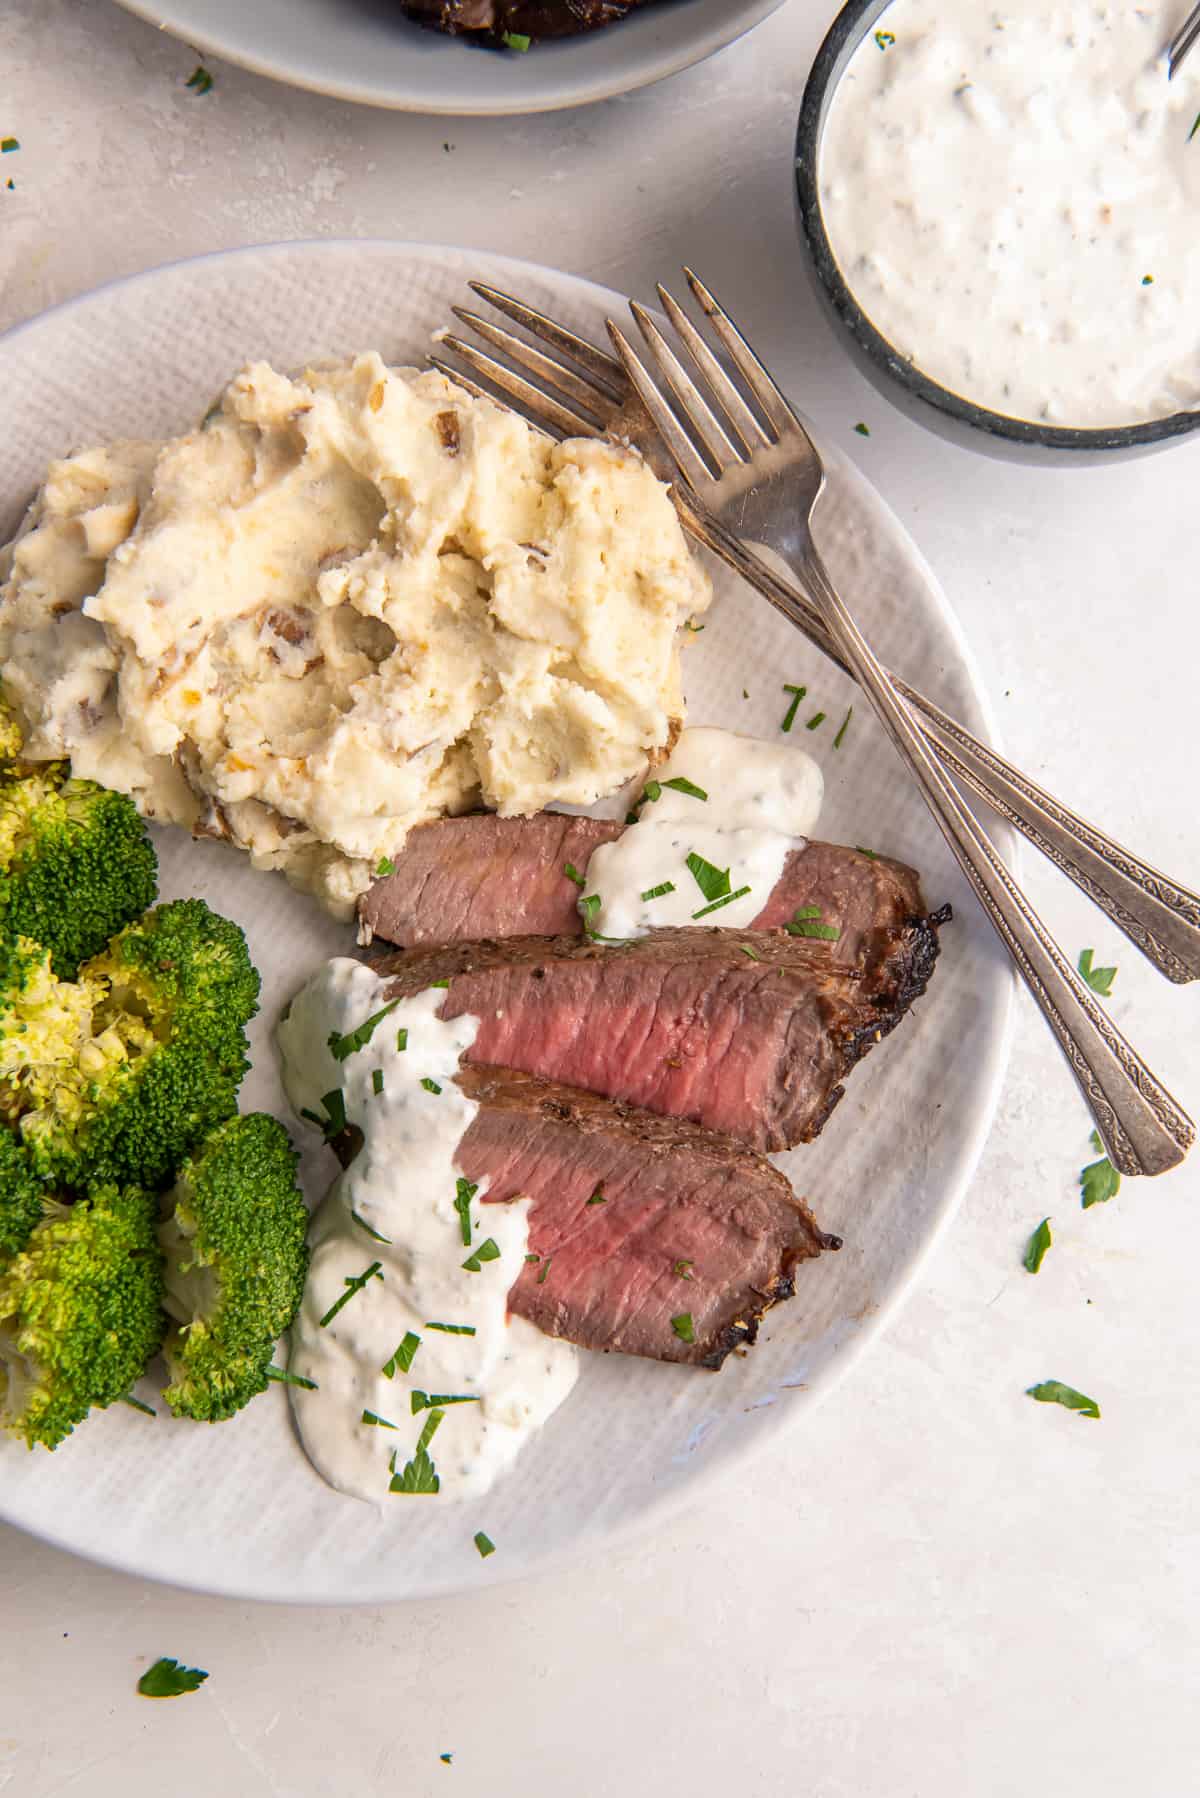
849, 27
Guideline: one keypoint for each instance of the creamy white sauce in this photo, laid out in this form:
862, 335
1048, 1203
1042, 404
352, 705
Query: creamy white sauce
403, 1186
763, 799
1011, 195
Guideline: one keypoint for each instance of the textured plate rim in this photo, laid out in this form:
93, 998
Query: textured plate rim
453, 101
965, 1157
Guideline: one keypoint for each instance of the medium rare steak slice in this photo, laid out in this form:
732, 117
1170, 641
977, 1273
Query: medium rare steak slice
681, 1022
636, 1220
461, 879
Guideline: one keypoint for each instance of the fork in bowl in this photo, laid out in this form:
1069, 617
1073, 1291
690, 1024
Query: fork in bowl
763, 481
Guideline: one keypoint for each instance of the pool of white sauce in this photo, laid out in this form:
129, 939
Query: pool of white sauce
1011, 196
402, 1187
761, 802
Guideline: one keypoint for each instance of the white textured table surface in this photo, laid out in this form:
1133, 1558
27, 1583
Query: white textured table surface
935, 1587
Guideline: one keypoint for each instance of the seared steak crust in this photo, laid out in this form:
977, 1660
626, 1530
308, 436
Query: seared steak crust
683, 1022
490, 21
461, 879
636, 1220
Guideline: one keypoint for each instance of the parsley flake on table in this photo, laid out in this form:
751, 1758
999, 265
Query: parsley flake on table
789, 717
862, 429
168, 1678
885, 39
818, 718
842, 727
1054, 1392
683, 1327
1099, 979
484, 1544
8, 145
1196, 127
1098, 1182
200, 79
1039, 1242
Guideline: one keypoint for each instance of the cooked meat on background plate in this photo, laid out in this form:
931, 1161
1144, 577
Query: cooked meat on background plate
515, 24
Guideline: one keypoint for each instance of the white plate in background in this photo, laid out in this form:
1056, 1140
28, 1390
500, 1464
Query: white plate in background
235, 1508
366, 50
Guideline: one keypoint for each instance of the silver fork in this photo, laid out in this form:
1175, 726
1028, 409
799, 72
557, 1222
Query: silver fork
591, 396
1182, 42
766, 482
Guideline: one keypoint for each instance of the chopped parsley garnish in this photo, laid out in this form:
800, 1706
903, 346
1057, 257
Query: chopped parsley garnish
403, 1357
885, 39
515, 40
683, 1269
446, 1757
546, 1265
1147, 280
377, 1081
691, 625
136, 1404
1196, 127
462, 1204
1053, 1392
806, 921
334, 1121
1099, 1183
485, 1545
419, 1475
650, 792
678, 784
170, 1679
200, 79
659, 892
716, 905
342, 1046
837, 741
435, 984
1099, 979
386, 866
1039, 1242
353, 1283
8, 144
872, 855
684, 1327
789, 717
373, 1417
817, 718
750, 953
426, 1401
401, 1040
572, 873
712, 881
291, 1379
375, 1235
598, 1197
489, 1250
453, 1329
533, 1257
431, 1086
588, 906
862, 429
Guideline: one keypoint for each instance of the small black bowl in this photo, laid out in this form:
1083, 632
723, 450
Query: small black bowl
912, 392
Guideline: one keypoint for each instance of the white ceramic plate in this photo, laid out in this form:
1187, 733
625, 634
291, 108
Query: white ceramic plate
366, 50
236, 1508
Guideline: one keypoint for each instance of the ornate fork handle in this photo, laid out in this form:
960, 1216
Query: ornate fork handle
1160, 916
1144, 1130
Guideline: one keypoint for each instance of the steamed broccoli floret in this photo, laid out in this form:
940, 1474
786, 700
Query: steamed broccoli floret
236, 1258
12, 738
21, 1197
167, 1052
80, 1313
75, 863
44, 1025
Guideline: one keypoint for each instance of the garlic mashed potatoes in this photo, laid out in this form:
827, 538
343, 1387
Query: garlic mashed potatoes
343, 605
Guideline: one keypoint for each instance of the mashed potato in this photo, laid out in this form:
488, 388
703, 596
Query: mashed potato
344, 605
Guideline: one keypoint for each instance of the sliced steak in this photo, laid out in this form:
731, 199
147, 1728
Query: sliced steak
636, 1220
492, 21
461, 879
681, 1022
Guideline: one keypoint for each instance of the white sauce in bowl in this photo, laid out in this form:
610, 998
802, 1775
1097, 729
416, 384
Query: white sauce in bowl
403, 1186
760, 801
1012, 198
